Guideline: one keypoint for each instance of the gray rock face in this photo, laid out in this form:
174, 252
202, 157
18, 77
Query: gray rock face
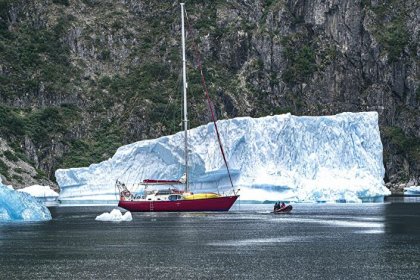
121, 63
16, 171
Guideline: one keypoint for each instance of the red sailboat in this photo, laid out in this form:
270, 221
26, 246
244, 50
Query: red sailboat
164, 195
168, 198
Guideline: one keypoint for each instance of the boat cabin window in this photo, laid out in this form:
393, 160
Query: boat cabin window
164, 192
174, 197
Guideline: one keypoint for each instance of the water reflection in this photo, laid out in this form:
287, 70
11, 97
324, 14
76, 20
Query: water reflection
402, 218
341, 241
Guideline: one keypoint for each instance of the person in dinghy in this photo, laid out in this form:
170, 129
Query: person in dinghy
282, 208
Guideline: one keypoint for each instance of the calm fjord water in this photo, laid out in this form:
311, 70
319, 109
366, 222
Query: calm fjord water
316, 241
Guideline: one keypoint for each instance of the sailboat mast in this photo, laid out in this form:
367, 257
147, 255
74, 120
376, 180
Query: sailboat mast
184, 79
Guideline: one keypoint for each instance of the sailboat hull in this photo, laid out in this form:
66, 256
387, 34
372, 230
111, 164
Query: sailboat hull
210, 204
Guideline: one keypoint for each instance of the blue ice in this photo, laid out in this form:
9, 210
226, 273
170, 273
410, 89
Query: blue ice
20, 206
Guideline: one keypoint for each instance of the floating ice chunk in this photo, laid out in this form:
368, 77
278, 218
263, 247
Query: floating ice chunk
413, 190
115, 216
20, 206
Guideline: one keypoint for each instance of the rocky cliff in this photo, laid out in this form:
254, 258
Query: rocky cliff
80, 78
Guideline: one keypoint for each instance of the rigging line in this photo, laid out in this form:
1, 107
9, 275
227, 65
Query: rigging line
203, 82
123, 174
167, 116
127, 175
136, 177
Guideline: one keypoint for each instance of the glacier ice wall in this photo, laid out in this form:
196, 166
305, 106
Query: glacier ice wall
21, 206
282, 157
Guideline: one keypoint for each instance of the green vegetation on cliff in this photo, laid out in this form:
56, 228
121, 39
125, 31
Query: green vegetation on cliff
80, 78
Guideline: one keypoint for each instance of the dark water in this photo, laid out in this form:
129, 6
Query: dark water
316, 241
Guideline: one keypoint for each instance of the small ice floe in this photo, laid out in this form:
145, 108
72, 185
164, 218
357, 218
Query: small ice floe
413, 190
115, 216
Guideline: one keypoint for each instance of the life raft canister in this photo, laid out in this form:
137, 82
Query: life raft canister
125, 194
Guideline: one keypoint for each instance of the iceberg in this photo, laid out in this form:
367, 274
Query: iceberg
43, 193
115, 216
21, 206
413, 190
283, 157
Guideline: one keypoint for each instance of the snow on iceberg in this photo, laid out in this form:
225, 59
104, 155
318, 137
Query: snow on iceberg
20, 206
282, 157
115, 216
39, 191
